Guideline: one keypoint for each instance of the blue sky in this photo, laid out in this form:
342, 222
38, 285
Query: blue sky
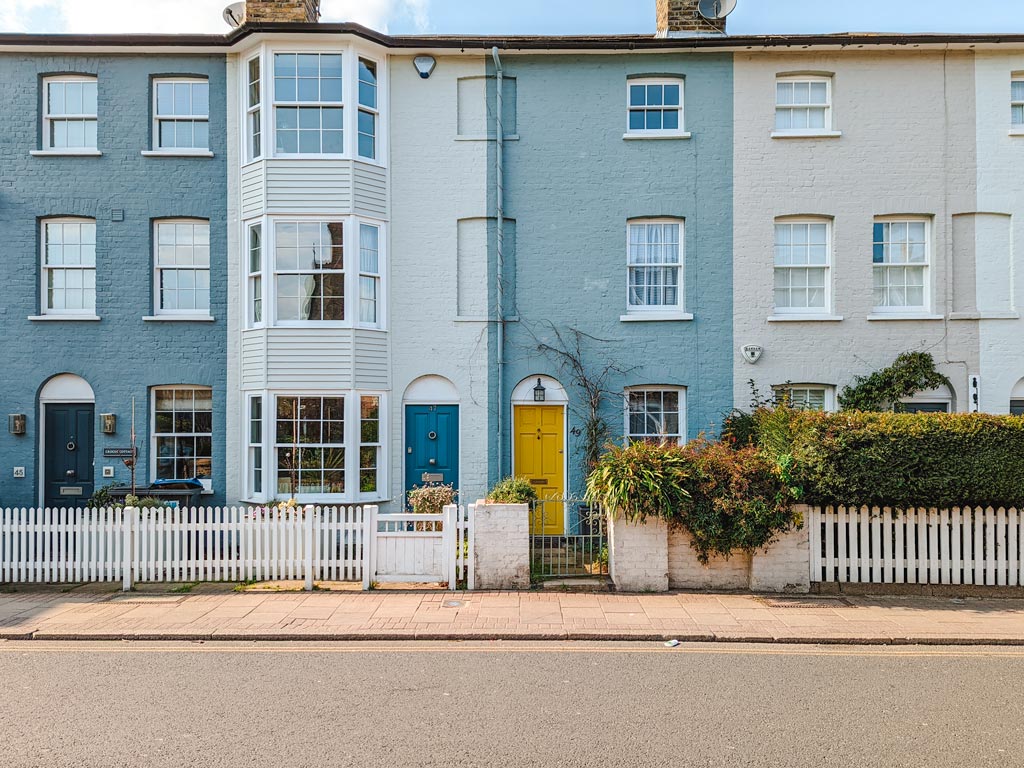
555, 17
750, 16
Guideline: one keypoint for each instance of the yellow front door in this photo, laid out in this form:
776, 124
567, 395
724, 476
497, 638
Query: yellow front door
540, 458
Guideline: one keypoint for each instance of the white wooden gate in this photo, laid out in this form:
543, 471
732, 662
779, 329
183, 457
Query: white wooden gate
962, 545
414, 548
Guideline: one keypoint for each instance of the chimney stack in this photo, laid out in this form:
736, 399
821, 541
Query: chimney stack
277, 11
680, 18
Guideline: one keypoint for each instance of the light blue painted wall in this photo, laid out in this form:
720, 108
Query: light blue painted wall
572, 183
121, 356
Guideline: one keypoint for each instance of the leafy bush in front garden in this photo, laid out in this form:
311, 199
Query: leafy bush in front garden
726, 498
431, 499
512, 490
921, 460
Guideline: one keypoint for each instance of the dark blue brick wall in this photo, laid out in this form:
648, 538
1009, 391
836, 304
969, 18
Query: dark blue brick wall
121, 356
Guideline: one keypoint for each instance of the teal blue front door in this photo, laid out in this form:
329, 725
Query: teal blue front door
68, 460
431, 445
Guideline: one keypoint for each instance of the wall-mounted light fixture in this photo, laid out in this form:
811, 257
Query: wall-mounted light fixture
539, 393
108, 423
16, 423
424, 65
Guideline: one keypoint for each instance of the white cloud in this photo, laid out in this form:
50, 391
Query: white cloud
177, 16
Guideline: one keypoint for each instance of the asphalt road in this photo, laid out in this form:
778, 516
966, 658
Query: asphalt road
505, 704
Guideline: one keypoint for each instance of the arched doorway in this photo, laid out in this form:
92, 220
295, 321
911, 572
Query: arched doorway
67, 414
1017, 399
431, 414
539, 448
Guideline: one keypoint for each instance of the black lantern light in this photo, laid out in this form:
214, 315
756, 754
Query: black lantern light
16, 423
539, 393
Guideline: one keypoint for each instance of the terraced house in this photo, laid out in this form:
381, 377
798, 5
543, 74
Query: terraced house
331, 264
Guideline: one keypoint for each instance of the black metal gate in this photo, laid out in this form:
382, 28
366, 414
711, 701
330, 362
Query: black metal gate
576, 548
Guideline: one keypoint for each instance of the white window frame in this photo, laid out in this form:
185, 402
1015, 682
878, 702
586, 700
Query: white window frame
255, 115
1016, 128
353, 273
377, 277
804, 221
679, 438
207, 482
271, 79
828, 129
46, 269
352, 444
345, 272
256, 283
194, 118
677, 309
49, 118
656, 132
378, 446
158, 271
925, 308
374, 110
828, 394
255, 449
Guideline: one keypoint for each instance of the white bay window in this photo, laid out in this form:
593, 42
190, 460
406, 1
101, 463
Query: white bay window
305, 272
309, 112
315, 447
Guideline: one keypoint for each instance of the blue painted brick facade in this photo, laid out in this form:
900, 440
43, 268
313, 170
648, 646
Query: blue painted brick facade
572, 183
121, 356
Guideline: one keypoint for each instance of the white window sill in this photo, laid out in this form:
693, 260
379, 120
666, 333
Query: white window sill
656, 317
806, 134
66, 153
675, 135
984, 316
179, 319
176, 153
808, 318
1017, 131
482, 137
883, 316
64, 318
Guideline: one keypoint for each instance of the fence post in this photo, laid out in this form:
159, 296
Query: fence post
307, 526
369, 543
129, 523
449, 539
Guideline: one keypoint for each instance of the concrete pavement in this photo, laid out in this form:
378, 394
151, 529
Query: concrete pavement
215, 612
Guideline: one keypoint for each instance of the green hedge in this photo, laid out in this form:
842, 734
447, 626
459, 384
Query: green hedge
897, 459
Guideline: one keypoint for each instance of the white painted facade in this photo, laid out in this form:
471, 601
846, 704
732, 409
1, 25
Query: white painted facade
898, 143
427, 192
999, 280
439, 287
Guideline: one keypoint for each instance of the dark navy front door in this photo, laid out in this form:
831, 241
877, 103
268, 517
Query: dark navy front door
68, 463
431, 445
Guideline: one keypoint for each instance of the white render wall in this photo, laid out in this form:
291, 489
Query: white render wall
907, 147
1001, 195
437, 181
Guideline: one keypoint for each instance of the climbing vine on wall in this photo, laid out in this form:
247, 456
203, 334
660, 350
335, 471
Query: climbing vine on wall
912, 372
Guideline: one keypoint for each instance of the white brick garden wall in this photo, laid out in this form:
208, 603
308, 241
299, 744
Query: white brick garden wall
502, 542
652, 557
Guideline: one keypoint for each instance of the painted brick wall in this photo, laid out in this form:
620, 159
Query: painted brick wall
502, 546
638, 555
572, 183
685, 571
784, 566
437, 181
121, 356
1000, 190
907, 148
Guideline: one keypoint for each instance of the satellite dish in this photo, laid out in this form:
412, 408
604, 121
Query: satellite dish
713, 10
234, 14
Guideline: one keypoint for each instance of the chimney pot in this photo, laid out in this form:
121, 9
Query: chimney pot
277, 11
680, 18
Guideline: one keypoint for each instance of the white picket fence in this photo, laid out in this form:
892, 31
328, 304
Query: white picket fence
962, 545
234, 544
